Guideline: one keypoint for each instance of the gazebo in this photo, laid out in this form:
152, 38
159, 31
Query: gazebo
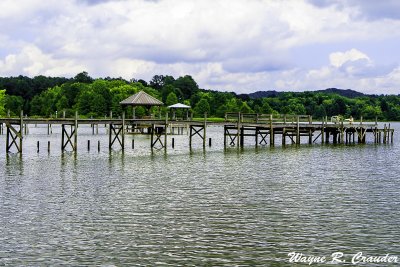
141, 99
176, 106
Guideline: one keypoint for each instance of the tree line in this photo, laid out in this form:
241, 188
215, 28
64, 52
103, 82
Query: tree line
44, 96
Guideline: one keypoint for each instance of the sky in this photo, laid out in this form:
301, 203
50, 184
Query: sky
227, 45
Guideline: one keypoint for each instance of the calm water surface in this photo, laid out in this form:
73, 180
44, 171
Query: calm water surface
216, 207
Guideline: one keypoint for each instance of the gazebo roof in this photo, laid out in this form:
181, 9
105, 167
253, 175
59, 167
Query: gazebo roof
141, 99
178, 105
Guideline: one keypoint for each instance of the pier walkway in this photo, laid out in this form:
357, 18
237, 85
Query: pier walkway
262, 128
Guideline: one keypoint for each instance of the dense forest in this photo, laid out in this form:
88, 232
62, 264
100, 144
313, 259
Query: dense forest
44, 96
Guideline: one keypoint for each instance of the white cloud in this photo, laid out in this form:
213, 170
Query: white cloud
31, 61
337, 59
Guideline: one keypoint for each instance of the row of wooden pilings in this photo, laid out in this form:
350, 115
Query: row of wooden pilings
295, 129
263, 127
116, 132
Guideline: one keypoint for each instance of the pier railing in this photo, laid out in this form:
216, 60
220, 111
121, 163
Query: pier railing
259, 118
267, 118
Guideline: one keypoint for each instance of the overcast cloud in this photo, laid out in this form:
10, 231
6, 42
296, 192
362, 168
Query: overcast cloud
239, 45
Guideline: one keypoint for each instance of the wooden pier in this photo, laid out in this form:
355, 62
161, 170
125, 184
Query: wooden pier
262, 129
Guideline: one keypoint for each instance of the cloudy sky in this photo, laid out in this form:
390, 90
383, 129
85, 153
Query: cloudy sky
234, 45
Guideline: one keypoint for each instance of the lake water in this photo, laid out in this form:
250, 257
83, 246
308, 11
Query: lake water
234, 207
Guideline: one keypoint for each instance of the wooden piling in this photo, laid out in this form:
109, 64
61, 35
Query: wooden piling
123, 131
256, 135
310, 133
323, 131
21, 125
241, 136
298, 131
8, 139
238, 130
392, 133
173, 142
334, 137
271, 132
166, 131
205, 130
225, 135
341, 133
37, 146
48, 146
98, 146
76, 132
190, 136
88, 145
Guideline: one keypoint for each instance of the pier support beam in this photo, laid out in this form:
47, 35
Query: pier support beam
271, 132
298, 130
14, 137
233, 137
66, 138
199, 130
73, 134
157, 132
118, 130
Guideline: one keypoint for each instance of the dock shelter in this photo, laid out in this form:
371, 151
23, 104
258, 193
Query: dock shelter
176, 106
141, 99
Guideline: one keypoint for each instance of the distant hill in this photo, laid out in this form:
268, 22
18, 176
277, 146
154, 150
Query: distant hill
261, 94
343, 92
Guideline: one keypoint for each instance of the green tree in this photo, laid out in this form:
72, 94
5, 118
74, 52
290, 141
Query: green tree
14, 103
2, 102
171, 99
371, 112
84, 102
62, 103
245, 108
83, 77
232, 105
202, 107
187, 85
266, 108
